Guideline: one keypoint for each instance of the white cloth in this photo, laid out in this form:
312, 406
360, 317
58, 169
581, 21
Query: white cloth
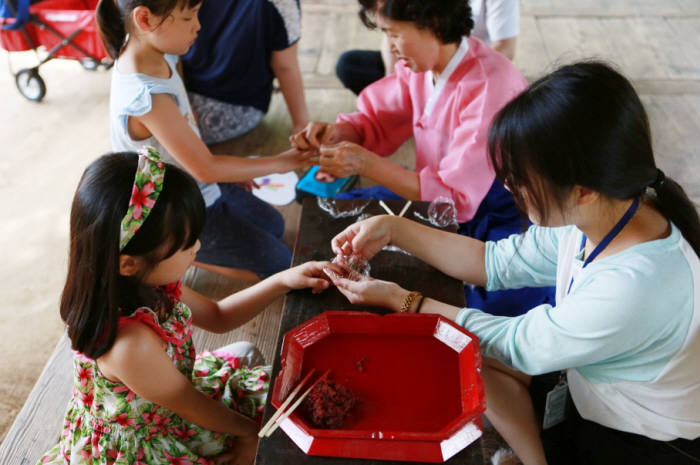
246, 351
495, 20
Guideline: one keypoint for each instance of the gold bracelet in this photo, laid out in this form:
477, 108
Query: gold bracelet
408, 301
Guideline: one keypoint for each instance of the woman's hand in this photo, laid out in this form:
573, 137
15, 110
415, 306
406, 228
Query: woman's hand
345, 159
365, 238
373, 292
318, 133
307, 275
312, 136
241, 453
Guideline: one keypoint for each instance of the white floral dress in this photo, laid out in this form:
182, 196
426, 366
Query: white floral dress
107, 423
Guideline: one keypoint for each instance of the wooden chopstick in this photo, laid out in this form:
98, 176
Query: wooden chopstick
286, 402
386, 208
405, 207
296, 404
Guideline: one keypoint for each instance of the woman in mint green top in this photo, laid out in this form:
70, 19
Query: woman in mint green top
620, 242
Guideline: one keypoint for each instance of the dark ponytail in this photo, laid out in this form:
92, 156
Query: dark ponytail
675, 205
113, 18
583, 125
111, 26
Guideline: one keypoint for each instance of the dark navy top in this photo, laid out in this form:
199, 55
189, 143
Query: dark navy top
230, 60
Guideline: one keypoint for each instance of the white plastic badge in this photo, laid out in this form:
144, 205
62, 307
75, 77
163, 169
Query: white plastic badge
555, 406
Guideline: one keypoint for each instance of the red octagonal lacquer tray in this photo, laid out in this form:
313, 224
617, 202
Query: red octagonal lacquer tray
416, 378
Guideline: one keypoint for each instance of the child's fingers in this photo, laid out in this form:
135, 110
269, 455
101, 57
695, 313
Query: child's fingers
299, 142
310, 156
318, 285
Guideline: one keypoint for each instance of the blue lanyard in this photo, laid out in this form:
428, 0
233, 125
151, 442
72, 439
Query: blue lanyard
608, 238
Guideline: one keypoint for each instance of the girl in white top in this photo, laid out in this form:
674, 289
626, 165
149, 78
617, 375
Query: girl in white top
618, 239
149, 106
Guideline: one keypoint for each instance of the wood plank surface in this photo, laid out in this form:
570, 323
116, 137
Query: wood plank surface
531, 55
675, 121
568, 39
313, 243
610, 8
38, 424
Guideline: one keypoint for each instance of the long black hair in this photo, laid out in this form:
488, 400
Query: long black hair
583, 125
113, 18
449, 20
95, 294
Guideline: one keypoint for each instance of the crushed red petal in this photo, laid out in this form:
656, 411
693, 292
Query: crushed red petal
328, 404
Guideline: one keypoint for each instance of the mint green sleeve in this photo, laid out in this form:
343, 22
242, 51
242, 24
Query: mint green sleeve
609, 315
523, 260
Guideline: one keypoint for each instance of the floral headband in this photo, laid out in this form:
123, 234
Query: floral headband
148, 183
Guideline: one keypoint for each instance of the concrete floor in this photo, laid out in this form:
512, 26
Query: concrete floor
45, 147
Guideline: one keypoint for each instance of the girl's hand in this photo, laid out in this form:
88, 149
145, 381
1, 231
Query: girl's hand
344, 159
373, 292
365, 238
307, 275
241, 453
294, 159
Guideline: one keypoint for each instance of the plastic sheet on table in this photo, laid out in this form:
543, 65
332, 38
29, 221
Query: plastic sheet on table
355, 267
441, 212
344, 208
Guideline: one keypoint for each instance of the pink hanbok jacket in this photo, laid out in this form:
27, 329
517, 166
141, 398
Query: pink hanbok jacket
449, 120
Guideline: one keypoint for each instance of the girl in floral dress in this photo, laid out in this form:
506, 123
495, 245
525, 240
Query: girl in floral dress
140, 395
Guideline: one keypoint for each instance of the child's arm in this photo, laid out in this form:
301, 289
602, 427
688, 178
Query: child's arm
138, 360
285, 65
236, 309
171, 129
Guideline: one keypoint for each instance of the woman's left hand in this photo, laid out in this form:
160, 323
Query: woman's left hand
307, 275
373, 292
344, 159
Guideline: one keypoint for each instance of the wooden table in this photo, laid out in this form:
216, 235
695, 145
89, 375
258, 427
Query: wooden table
316, 229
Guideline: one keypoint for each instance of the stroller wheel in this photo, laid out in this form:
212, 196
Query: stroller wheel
30, 84
90, 64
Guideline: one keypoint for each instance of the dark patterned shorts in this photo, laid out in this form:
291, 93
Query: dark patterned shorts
219, 121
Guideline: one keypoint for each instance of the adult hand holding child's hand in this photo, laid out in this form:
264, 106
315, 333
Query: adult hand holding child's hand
318, 133
373, 292
344, 159
312, 136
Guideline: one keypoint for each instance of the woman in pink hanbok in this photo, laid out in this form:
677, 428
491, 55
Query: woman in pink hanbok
444, 92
